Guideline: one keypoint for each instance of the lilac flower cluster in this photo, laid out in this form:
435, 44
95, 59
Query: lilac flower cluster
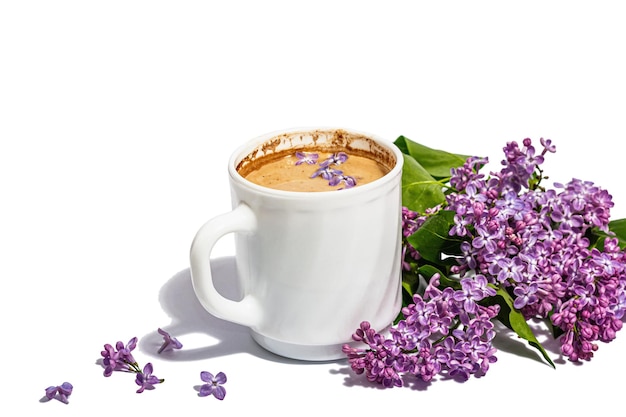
120, 358
326, 170
534, 243
444, 332
547, 253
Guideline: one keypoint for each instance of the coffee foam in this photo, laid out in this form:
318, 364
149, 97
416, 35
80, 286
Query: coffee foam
322, 140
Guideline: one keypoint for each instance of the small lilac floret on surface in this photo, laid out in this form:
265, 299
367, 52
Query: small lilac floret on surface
146, 380
169, 342
60, 392
213, 385
309, 158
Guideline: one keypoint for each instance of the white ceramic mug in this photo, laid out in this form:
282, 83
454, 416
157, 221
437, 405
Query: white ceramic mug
311, 265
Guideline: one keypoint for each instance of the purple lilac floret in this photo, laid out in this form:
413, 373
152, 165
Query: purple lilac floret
146, 380
169, 342
60, 392
309, 158
442, 332
213, 385
346, 179
534, 241
335, 159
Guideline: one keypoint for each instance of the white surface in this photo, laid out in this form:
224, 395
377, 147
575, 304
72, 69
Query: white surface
117, 119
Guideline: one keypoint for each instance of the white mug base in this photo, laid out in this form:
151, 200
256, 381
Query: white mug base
314, 353
311, 353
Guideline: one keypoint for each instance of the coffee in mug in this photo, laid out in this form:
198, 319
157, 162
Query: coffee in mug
329, 168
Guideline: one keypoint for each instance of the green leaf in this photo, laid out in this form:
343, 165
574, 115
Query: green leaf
419, 189
429, 270
432, 239
436, 162
618, 227
514, 320
411, 285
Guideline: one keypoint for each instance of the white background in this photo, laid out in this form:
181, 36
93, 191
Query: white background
116, 122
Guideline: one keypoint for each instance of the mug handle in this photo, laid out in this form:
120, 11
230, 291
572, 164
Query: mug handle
246, 312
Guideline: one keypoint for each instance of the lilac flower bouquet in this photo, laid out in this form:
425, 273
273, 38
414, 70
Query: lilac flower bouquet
499, 247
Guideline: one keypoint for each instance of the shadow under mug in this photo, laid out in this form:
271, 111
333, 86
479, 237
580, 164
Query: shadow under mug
311, 266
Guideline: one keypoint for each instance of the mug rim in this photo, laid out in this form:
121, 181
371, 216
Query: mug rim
251, 144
